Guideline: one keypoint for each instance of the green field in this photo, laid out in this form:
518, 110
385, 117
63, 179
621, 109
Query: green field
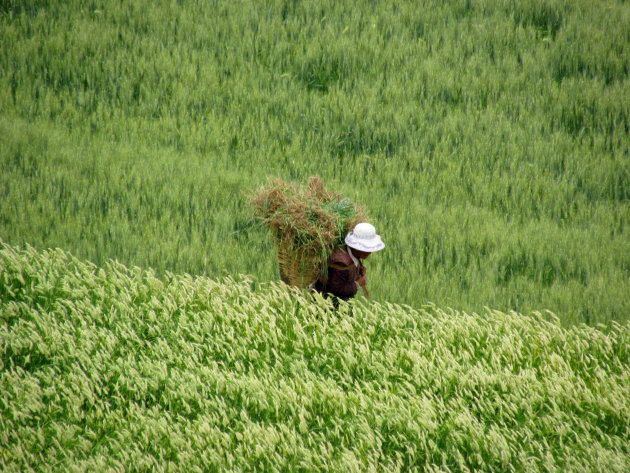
489, 140
116, 370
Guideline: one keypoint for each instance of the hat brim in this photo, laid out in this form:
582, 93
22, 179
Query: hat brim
370, 246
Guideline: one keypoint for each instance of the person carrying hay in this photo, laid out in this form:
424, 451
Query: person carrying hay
319, 240
346, 272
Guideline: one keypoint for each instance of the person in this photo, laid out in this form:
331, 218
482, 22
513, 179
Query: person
346, 272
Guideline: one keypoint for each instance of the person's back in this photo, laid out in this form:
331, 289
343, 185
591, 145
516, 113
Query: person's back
342, 277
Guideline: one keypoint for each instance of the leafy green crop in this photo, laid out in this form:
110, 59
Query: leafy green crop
115, 369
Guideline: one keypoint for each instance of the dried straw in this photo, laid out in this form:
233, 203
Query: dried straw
307, 223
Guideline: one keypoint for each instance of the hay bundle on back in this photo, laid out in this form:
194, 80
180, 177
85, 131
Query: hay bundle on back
307, 223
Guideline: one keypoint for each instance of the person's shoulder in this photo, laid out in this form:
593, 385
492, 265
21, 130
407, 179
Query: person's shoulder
340, 257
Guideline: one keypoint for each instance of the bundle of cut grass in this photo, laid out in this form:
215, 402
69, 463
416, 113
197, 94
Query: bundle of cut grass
307, 223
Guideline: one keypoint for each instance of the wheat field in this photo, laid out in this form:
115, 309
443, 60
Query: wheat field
487, 139
115, 369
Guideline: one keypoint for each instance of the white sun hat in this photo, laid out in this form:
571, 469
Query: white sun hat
364, 238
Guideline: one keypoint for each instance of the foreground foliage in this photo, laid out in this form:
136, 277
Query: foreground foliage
488, 139
113, 369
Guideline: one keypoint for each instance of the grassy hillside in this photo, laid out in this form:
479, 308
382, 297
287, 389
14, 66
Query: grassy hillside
115, 369
488, 139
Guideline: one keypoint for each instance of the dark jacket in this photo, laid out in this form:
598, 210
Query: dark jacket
342, 276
